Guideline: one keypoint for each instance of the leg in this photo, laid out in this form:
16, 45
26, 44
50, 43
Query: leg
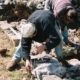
18, 54
65, 34
59, 50
15, 59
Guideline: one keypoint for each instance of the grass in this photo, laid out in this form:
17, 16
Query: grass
18, 73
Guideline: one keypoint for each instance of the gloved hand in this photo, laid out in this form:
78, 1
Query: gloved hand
64, 62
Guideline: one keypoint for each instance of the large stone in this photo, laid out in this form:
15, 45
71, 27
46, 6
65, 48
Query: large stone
74, 62
50, 77
49, 68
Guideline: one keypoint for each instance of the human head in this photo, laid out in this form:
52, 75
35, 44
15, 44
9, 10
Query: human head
28, 30
71, 14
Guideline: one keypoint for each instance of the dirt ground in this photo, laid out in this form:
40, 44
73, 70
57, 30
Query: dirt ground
6, 52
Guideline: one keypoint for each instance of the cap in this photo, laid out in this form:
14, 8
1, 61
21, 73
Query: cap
27, 30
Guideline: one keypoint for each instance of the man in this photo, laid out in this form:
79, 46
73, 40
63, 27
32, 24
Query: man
64, 13
39, 27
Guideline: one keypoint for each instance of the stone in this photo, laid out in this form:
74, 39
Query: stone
49, 68
74, 62
50, 77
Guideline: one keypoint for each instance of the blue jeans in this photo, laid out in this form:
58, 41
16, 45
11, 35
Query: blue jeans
65, 34
58, 49
18, 54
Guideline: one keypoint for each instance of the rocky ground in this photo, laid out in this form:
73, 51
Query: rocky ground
7, 50
9, 39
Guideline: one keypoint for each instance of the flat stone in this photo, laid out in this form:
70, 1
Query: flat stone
74, 62
4, 25
50, 77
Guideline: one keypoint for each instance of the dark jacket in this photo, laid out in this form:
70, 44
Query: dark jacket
45, 24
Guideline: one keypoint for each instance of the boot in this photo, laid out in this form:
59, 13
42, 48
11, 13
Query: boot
11, 65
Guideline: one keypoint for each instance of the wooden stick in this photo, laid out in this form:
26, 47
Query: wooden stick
18, 35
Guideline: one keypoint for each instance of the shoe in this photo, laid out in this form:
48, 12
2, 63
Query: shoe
11, 65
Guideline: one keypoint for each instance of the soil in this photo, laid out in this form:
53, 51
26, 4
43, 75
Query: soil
5, 46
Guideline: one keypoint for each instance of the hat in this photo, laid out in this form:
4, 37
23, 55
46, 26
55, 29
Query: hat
27, 29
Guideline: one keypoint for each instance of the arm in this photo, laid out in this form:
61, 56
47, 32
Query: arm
26, 46
54, 39
61, 17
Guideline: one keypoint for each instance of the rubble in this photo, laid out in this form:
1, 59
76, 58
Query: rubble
46, 67
49, 69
